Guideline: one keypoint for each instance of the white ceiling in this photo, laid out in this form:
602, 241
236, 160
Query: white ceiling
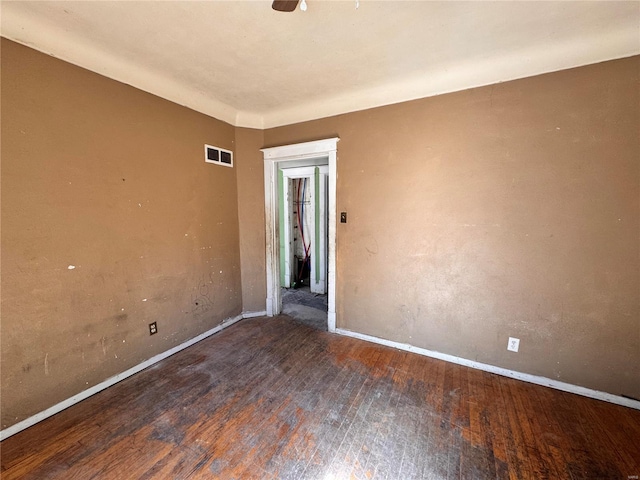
244, 63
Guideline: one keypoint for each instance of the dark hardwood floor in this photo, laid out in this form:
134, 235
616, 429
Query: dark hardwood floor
273, 398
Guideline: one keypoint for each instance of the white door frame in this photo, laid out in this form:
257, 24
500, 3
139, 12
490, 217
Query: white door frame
322, 150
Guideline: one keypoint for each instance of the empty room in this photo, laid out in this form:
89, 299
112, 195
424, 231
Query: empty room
314, 239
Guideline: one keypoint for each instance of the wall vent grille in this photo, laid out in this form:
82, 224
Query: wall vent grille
218, 155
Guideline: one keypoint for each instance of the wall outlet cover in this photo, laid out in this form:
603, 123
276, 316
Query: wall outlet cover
513, 345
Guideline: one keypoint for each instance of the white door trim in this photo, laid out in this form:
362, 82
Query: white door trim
322, 150
288, 234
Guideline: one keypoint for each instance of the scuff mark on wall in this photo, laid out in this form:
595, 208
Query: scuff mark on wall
371, 245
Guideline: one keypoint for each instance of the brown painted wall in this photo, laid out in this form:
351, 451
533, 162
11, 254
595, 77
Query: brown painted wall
112, 180
509, 210
250, 166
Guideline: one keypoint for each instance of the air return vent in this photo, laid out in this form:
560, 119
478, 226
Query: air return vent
218, 155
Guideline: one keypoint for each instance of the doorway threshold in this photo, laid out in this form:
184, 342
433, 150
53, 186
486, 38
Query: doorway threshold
306, 307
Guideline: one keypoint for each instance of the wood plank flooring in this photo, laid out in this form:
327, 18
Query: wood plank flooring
273, 398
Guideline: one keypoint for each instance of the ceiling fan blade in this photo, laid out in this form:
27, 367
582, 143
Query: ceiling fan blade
284, 5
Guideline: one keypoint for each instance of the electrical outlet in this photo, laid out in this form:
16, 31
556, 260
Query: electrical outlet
343, 217
513, 345
153, 328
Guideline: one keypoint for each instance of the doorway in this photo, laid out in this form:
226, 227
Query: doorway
303, 201
319, 156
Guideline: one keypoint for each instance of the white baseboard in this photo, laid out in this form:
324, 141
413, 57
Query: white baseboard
38, 417
331, 322
262, 313
547, 382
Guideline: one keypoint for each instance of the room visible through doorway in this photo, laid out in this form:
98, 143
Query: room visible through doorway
303, 222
